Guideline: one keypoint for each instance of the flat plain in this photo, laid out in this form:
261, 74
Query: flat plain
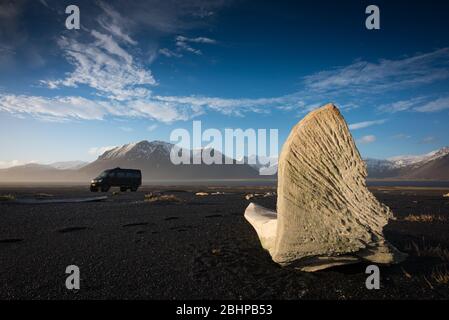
199, 247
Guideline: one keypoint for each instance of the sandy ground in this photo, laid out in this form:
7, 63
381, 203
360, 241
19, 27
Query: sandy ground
201, 248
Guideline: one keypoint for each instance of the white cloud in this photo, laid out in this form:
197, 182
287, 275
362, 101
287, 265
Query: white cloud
434, 106
417, 104
196, 40
54, 109
366, 124
230, 106
123, 87
126, 129
73, 108
183, 44
169, 54
106, 42
402, 105
113, 22
383, 75
402, 136
152, 127
97, 151
367, 139
428, 140
44, 3
104, 66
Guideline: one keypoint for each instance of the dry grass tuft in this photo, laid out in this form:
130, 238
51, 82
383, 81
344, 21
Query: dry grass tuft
428, 251
162, 199
7, 197
425, 218
440, 275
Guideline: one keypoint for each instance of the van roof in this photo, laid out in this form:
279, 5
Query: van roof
118, 168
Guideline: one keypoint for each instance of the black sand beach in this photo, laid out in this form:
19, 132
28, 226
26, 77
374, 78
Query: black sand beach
200, 248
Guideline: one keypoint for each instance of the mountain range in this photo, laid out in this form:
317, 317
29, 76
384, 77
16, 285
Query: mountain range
153, 158
431, 166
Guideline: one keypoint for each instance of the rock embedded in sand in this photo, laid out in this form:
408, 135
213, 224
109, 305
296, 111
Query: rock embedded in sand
325, 214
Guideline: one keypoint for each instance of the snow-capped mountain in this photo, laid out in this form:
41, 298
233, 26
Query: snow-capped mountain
68, 165
153, 158
138, 150
402, 161
432, 165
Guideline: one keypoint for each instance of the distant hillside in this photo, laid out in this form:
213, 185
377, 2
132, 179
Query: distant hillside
153, 158
431, 166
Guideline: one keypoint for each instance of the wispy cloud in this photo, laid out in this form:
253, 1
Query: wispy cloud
152, 127
183, 43
402, 105
417, 104
54, 109
363, 76
126, 129
123, 87
113, 22
169, 53
366, 124
401, 136
434, 106
104, 66
59, 109
428, 140
367, 139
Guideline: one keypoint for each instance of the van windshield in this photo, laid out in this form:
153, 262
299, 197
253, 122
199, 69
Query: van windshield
103, 174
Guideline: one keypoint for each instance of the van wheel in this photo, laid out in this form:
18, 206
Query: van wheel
123, 189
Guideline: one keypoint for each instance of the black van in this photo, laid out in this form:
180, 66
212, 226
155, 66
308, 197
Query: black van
123, 178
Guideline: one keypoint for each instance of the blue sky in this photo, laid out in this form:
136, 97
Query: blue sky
140, 69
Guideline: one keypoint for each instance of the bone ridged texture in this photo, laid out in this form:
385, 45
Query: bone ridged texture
325, 214
324, 207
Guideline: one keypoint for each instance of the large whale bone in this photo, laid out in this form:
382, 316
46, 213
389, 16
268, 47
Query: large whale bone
325, 216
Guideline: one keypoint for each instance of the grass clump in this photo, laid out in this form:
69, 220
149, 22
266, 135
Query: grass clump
440, 275
162, 198
428, 251
425, 218
7, 197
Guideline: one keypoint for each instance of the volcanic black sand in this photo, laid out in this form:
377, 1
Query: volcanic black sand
199, 248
